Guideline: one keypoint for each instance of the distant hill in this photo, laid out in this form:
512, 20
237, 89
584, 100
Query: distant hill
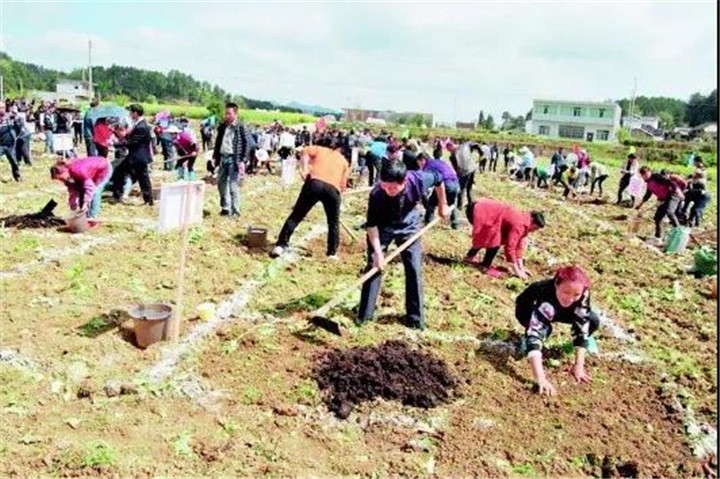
313, 109
137, 85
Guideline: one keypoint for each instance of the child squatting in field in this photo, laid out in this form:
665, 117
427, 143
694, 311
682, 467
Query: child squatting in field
562, 299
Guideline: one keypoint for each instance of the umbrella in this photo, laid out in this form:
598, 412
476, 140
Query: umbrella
107, 111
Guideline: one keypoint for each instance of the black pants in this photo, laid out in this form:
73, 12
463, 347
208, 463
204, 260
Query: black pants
284, 152
699, 200
506, 159
482, 164
373, 163
466, 186
542, 182
668, 208
206, 142
189, 161
312, 192
568, 188
101, 150
490, 254
77, 133
557, 176
529, 174
624, 183
599, 182
138, 172
9, 152
22, 150
493, 164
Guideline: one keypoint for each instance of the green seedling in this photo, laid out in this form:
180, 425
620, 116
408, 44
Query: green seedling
98, 454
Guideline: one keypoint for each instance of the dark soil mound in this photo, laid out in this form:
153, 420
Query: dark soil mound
34, 220
391, 370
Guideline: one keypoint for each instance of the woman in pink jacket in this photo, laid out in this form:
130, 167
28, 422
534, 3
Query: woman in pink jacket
497, 224
85, 179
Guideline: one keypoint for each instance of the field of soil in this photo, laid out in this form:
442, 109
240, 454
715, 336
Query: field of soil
239, 396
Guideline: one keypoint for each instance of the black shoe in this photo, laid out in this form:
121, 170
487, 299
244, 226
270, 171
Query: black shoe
224, 212
17, 178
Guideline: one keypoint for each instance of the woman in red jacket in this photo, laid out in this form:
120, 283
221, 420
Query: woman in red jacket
101, 137
497, 224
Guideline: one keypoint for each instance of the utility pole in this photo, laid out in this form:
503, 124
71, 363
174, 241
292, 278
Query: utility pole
2, 88
90, 68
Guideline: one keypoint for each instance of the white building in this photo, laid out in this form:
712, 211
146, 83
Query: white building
640, 121
72, 91
579, 120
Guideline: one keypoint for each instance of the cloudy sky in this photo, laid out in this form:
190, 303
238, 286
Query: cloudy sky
450, 59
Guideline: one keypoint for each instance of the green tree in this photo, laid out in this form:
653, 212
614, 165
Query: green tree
481, 119
667, 120
489, 123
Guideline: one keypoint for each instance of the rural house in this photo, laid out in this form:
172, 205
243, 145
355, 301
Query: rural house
580, 120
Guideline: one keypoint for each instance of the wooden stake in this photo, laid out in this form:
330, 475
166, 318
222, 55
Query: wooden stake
180, 291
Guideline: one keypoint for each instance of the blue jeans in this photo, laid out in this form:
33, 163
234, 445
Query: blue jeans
49, 141
94, 209
90, 147
412, 262
228, 178
168, 153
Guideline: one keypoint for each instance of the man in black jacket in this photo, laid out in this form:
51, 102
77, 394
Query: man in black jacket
139, 156
8, 139
232, 149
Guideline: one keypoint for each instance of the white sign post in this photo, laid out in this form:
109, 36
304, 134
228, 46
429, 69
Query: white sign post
181, 205
62, 142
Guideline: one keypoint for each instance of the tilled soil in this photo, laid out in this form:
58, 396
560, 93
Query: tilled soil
32, 221
391, 370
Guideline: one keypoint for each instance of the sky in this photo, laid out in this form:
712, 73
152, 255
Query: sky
448, 59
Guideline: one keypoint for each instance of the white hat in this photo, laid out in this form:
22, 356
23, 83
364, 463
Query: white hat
524, 149
173, 129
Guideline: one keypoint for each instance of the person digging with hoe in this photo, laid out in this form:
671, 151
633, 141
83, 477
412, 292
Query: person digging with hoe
496, 224
325, 172
562, 299
392, 216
